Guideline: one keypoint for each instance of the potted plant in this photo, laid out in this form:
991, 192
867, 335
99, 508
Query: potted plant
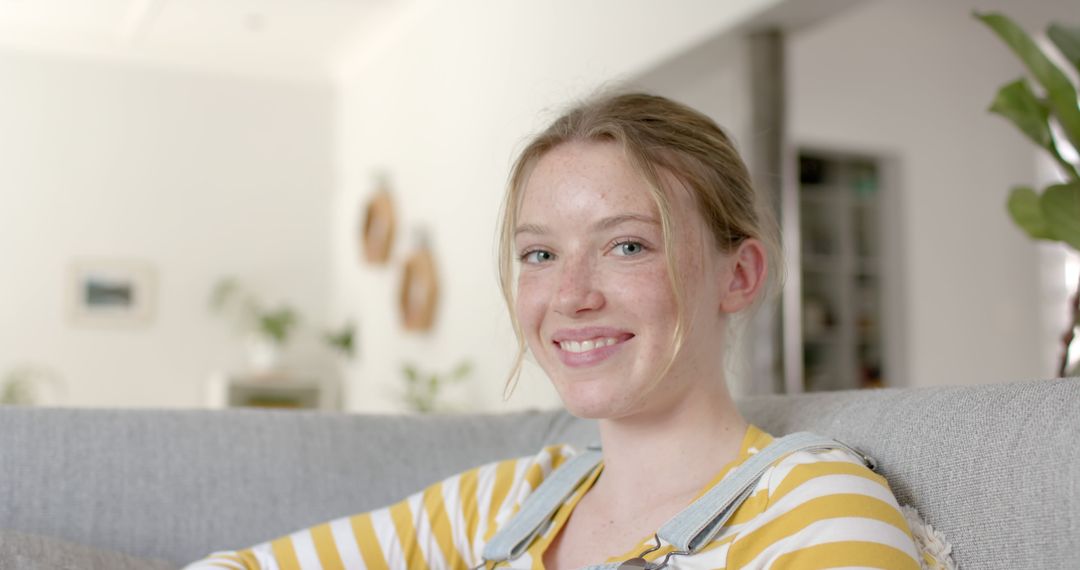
342, 340
29, 385
268, 329
1051, 119
422, 390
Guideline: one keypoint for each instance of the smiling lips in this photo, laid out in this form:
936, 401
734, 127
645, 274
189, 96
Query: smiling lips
586, 347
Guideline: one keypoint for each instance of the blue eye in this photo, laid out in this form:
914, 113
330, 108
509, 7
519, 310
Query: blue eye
628, 248
536, 256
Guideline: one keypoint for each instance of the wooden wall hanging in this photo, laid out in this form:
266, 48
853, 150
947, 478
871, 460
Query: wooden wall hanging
378, 228
419, 291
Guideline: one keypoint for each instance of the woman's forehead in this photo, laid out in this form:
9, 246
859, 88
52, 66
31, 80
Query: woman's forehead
595, 180
579, 171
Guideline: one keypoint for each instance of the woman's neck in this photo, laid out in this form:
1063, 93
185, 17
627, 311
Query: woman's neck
668, 455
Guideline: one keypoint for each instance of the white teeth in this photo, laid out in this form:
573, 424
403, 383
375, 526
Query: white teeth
586, 345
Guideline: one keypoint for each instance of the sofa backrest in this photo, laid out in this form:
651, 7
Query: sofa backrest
996, 468
177, 485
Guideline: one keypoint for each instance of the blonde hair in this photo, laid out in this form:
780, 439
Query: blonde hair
655, 133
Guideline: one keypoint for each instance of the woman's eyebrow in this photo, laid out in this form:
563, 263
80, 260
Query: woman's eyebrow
611, 222
604, 224
530, 229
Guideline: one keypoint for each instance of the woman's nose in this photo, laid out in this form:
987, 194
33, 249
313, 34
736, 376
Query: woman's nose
578, 289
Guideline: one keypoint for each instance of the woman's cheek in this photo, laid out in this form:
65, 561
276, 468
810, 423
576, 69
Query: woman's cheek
649, 284
530, 304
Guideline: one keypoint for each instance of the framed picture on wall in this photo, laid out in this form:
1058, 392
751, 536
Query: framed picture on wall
110, 292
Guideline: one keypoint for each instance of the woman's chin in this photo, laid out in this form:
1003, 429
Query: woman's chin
585, 412
591, 403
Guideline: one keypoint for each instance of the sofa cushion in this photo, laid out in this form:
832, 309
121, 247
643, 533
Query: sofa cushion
21, 551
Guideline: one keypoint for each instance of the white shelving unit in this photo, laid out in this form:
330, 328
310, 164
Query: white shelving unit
841, 258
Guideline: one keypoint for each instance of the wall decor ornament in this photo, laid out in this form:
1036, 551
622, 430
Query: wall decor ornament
111, 292
377, 230
419, 290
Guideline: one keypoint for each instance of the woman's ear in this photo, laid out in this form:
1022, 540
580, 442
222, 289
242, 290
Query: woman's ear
745, 276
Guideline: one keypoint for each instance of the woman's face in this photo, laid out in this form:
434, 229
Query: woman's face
594, 297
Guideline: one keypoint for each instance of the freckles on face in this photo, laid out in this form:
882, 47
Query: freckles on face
580, 202
593, 269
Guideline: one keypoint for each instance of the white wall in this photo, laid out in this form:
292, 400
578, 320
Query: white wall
441, 107
913, 79
200, 175
204, 175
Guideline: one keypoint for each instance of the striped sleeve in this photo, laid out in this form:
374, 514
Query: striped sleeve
825, 510
443, 526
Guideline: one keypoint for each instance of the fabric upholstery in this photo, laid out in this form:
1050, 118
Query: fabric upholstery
179, 484
20, 551
995, 468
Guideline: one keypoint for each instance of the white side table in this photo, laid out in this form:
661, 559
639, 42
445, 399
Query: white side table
279, 390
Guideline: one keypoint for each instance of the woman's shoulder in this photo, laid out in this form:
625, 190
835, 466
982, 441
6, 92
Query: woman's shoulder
523, 474
822, 472
548, 457
504, 485
817, 504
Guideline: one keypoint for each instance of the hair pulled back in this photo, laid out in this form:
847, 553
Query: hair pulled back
656, 134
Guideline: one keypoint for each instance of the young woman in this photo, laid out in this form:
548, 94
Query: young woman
632, 242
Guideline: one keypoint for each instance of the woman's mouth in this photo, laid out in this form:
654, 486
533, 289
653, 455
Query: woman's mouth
586, 345
590, 351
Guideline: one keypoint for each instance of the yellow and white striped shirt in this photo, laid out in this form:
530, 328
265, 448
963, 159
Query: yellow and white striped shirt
809, 510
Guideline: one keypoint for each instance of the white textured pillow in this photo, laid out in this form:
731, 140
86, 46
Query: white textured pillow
936, 551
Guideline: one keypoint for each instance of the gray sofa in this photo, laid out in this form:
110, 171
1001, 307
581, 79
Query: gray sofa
996, 468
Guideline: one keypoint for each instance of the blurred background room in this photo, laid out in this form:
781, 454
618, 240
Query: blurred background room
293, 203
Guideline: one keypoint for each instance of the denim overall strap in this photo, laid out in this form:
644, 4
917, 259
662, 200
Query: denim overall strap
513, 539
697, 524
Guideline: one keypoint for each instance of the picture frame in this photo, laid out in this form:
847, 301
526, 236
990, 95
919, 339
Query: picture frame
111, 292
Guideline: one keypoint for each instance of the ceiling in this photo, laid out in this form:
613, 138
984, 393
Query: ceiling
298, 39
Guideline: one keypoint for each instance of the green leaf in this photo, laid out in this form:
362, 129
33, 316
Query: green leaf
1060, 205
278, 323
1060, 92
343, 340
1067, 40
462, 370
1025, 210
224, 290
1017, 103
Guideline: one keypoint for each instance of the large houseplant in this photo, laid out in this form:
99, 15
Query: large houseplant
1051, 119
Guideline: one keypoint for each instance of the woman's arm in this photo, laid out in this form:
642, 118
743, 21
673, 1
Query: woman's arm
443, 526
418, 532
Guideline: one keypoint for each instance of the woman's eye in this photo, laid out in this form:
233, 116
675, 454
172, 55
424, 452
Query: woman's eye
537, 256
629, 248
